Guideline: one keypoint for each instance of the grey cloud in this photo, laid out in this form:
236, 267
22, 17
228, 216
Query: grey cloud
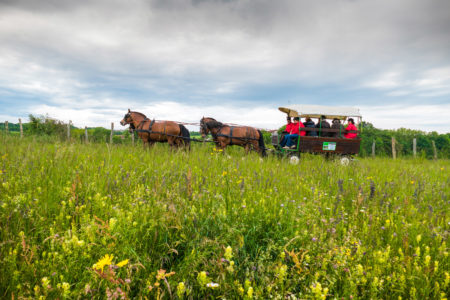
204, 48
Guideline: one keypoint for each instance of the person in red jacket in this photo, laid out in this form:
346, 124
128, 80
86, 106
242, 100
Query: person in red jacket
288, 142
350, 127
286, 131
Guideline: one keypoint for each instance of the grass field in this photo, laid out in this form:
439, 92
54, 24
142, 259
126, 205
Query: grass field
94, 221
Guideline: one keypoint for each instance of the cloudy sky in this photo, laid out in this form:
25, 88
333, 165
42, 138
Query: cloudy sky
235, 60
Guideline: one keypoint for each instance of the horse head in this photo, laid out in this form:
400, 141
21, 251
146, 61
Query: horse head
127, 119
204, 130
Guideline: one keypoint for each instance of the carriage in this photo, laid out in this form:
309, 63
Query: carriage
322, 143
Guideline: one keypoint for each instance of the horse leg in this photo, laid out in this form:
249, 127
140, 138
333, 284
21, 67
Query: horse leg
247, 148
255, 146
222, 145
170, 141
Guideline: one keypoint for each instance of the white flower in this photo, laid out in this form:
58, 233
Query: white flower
212, 285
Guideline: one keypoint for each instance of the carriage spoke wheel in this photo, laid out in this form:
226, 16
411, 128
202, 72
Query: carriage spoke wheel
344, 160
294, 159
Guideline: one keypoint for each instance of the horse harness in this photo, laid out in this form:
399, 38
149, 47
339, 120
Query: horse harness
231, 137
150, 131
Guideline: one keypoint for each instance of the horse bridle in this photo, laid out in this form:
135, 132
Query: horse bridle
204, 127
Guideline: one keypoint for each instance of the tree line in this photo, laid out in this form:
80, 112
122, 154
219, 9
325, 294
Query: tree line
46, 126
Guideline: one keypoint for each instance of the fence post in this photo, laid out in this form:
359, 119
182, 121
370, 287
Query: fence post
21, 128
86, 135
373, 148
132, 137
434, 149
112, 133
68, 130
394, 154
6, 127
414, 147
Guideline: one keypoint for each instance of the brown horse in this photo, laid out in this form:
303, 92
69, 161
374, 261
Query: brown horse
160, 131
224, 135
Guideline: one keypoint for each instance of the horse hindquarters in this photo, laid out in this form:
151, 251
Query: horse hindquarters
185, 137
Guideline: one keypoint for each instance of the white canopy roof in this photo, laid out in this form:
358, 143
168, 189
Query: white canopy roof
315, 111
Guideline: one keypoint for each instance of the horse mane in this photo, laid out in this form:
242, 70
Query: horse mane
212, 123
136, 112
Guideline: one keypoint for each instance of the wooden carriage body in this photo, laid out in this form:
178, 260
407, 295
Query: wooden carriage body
323, 143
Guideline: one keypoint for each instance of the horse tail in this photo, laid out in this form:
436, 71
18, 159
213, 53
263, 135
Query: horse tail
185, 136
261, 143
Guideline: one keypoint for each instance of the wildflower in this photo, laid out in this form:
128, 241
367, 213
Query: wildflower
66, 289
241, 290
427, 260
417, 251
122, 263
228, 253
202, 278
162, 274
181, 289
230, 267
112, 223
314, 239
318, 292
104, 261
418, 238
212, 285
250, 292
359, 270
224, 173
45, 282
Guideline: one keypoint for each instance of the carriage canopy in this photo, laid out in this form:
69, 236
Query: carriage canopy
315, 111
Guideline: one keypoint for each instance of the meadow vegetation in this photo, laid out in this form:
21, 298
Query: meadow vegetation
101, 221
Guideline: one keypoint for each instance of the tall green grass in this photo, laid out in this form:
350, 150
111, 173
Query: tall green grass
228, 225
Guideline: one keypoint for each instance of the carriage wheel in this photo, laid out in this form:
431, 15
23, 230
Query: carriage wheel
294, 159
344, 160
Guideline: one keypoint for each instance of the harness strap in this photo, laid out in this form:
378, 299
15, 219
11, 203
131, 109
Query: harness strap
231, 135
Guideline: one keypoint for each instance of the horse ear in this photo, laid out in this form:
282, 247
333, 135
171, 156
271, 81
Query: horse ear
129, 110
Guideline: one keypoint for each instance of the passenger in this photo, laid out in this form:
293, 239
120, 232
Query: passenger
323, 124
351, 127
287, 130
336, 124
288, 142
310, 124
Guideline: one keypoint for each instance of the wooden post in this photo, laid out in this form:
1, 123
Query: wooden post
434, 149
86, 135
112, 133
21, 128
414, 147
132, 137
373, 148
394, 154
6, 127
68, 130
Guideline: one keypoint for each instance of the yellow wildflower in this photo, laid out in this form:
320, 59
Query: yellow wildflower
250, 292
228, 253
104, 261
181, 289
122, 263
418, 238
